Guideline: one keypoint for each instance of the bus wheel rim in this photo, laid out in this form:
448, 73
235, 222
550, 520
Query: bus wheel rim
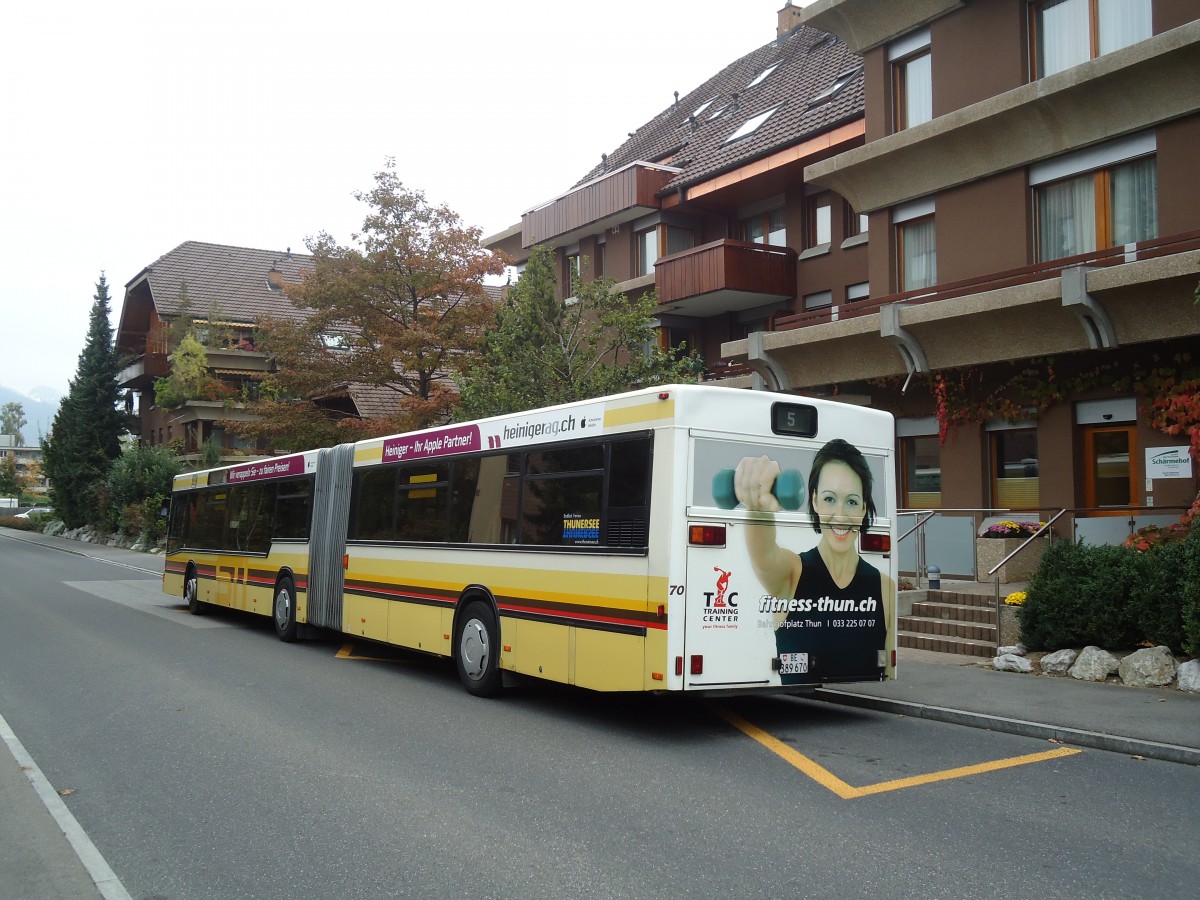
474, 650
283, 607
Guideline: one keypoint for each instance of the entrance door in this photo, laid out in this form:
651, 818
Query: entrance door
1110, 467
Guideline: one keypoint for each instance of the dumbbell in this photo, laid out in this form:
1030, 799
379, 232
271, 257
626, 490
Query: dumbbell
788, 489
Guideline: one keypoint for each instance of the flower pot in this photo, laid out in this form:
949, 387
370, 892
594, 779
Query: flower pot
989, 552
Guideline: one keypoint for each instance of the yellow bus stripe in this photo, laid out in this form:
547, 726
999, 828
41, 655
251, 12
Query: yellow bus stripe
643, 412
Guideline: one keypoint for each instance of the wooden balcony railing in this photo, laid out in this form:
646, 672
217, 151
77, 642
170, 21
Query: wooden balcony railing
726, 265
628, 190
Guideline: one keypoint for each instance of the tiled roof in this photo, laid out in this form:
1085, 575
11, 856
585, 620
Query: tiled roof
231, 281
809, 62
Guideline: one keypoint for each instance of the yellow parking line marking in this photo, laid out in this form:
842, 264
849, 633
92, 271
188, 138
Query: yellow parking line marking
827, 779
347, 652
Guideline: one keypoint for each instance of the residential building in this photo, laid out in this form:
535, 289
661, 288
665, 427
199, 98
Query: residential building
980, 216
28, 460
220, 293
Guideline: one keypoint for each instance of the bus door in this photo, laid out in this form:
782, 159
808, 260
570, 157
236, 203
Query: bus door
725, 643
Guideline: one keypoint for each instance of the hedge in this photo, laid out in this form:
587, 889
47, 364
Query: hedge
1115, 597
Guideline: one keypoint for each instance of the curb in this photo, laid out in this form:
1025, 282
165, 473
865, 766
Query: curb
1095, 740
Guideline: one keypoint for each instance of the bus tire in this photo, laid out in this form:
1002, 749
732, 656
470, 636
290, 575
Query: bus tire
191, 593
477, 650
283, 610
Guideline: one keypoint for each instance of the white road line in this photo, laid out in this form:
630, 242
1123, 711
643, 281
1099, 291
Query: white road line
101, 873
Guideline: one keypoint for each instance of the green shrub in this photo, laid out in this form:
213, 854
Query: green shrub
139, 482
1080, 595
1166, 582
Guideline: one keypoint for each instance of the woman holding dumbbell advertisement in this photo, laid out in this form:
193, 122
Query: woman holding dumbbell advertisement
832, 597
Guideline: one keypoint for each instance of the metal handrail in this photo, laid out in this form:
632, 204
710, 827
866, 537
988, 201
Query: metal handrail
1025, 543
927, 513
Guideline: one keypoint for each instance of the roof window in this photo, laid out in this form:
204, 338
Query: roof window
703, 106
751, 125
834, 89
763, 75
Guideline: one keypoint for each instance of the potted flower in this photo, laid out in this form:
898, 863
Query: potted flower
998, 539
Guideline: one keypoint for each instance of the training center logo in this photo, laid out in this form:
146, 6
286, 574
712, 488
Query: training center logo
720, 605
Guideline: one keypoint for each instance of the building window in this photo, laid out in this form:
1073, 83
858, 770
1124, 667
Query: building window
912, 82
856, 223
1069, 32
836, 88
679, 239
1015, 469
819, 300
1105, 208
751, 125
820, 220
1110, 466
921, 457
647, 250
573, 272
766, 228
760, 77
857, 292
916, 250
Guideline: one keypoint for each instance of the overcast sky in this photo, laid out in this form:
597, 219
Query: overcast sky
130, 127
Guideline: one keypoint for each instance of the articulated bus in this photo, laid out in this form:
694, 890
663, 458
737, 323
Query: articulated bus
683, 538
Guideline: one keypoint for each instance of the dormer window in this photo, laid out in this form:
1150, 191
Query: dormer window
834, 89
751, 125
763, 75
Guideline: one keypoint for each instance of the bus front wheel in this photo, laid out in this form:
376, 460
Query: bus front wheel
476, 650
284, 608
191, 594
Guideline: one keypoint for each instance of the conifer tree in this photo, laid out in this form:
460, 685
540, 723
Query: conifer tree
85, 435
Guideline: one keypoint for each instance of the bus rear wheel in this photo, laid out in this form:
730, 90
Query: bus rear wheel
477, 649
191, 594
284, 610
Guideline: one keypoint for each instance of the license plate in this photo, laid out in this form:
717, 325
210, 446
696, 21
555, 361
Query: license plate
793, 663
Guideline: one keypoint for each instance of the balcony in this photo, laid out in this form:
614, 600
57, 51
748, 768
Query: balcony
142, 371
605, 202
1135, 294
725, 276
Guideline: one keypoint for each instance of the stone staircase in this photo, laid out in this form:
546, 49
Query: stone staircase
949, 621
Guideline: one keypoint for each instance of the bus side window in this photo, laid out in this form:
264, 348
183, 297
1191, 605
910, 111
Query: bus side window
374, 499
627, 513
293, 509
209, 525
493, 506
464, 481
421, 495
249, 518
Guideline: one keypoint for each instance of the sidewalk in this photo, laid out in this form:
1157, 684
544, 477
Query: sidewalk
39, 862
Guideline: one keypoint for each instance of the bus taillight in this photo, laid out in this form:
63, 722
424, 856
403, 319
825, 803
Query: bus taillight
707, 535
697, 663
876, 542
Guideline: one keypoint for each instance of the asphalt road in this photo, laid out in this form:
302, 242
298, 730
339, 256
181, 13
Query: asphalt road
205, 759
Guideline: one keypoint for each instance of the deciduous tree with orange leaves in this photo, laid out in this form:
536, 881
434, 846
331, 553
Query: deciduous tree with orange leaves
395, 310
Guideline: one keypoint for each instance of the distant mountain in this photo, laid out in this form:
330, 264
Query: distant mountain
40, 405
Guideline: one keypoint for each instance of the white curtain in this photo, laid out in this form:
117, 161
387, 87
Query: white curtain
1134, 202
1123, 22
1064, 35
919, 261
1067, 218
918, 89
